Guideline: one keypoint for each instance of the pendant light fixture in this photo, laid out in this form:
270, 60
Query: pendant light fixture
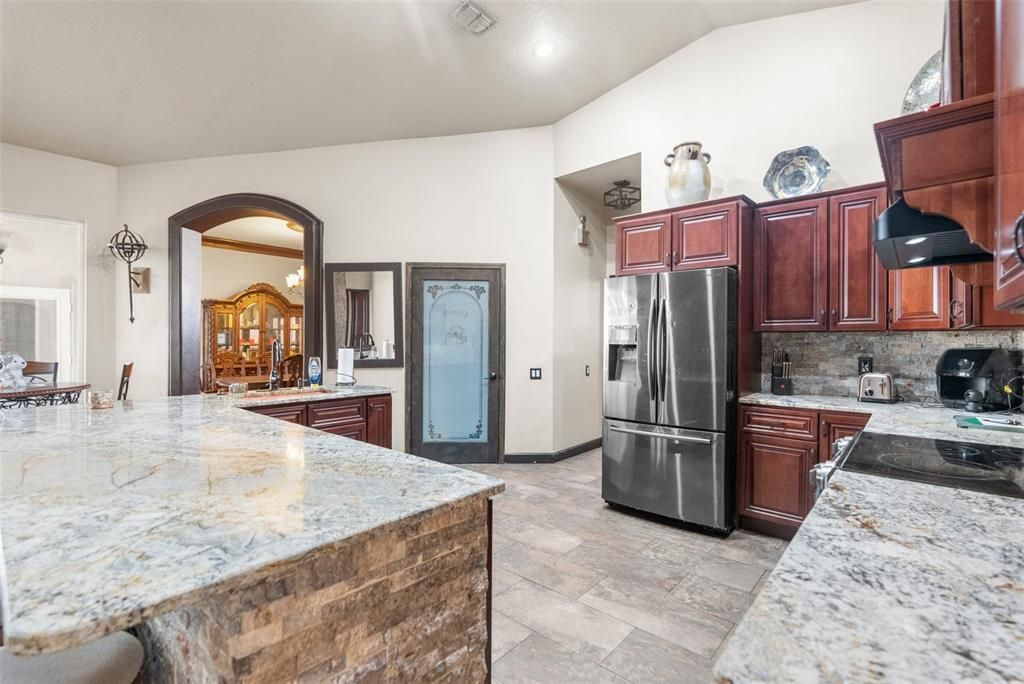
129, 248
622, 196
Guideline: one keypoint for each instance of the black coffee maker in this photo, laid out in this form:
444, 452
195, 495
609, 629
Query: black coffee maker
972, 379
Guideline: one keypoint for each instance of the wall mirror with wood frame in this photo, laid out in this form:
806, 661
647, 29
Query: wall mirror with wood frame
364, 312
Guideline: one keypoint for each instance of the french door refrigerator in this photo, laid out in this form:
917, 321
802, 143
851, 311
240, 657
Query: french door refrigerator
670, 394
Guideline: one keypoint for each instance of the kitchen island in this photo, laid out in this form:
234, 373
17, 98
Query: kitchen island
891, 580
240, 547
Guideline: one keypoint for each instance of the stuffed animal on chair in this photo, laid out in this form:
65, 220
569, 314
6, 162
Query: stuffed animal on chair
11, 367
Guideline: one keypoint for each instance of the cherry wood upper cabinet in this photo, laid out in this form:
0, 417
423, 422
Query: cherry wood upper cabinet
919, 298
643, 245
1009, 153
791, 266
857, 280
705, 237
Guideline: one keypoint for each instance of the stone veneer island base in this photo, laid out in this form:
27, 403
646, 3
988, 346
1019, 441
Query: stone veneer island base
406, 603
240, 547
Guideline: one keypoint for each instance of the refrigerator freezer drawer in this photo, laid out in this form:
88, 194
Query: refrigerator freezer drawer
680, 474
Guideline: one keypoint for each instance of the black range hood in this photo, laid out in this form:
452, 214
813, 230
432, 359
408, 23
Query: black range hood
908, 238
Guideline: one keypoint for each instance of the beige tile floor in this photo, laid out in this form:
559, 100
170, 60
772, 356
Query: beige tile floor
587, 593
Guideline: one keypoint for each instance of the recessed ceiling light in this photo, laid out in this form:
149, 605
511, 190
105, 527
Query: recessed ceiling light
915, 241
544, 49
916, 260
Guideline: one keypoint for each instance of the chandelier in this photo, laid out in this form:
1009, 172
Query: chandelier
296, 281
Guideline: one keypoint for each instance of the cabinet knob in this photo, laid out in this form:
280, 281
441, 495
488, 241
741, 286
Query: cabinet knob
821, 315
835, 316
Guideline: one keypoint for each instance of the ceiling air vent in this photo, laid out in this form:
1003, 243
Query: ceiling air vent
472, 18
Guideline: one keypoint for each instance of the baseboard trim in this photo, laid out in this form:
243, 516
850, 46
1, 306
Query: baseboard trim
556, 456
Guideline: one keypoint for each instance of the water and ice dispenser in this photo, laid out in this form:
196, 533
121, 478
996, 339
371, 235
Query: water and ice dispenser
622, 353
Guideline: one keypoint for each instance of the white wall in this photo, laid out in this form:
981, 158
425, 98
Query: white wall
578, 312
747, 92
50, 185
227, 272
471, 198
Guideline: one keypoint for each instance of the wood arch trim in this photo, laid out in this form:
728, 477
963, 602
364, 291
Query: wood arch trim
184, 249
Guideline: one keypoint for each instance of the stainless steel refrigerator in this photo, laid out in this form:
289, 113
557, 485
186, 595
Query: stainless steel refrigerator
670, 394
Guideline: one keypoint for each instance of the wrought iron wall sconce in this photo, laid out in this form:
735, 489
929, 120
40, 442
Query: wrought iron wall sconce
129, 248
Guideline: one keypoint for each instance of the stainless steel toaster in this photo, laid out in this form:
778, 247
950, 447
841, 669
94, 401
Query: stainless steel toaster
876, 387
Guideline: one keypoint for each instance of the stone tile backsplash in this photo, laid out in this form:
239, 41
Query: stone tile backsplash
826, 363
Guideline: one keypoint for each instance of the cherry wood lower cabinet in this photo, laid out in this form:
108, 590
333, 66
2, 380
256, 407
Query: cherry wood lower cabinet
777, 448
366, 419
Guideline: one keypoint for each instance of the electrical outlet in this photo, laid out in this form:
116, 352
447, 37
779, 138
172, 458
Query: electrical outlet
535, 373
865, 364
587, 371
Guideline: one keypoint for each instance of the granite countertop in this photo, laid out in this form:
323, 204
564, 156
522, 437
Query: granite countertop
906, 418
113, 516
325, 393
889, 580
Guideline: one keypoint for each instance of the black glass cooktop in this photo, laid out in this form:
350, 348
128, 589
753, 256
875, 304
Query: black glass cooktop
964, 465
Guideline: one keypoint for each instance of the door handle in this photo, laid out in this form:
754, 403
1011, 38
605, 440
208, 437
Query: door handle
652, 390
1018, 237
660, 435
491, 376
662, 351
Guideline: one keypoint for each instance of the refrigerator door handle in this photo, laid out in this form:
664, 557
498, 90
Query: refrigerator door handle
660, 435
663, 350
651, 349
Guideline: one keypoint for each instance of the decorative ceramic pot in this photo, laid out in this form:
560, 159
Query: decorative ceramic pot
689, 179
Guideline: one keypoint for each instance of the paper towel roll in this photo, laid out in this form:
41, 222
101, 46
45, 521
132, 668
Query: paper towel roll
346, 370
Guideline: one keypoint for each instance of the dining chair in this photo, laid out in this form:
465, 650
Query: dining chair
126, 376
40, 368
290, 370
113, 659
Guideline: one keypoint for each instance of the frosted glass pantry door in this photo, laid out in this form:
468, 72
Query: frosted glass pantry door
457, 355
455, 367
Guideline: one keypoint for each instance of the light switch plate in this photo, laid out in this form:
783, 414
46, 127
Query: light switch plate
865, 364
535, 373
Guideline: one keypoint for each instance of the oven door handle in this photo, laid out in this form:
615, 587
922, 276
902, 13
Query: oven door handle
660, 435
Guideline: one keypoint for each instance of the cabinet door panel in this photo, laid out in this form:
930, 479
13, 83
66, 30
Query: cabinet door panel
1009, 160
704, 238
292, 413
791, 266
775, 471
857, 283
642, 245
919, 298
378, 422
323, 415
356, 431
988, 316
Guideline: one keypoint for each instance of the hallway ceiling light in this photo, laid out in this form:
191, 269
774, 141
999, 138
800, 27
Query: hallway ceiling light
622, 196
472, 18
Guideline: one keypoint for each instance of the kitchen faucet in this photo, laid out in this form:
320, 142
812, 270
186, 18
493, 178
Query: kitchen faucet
369, 347
276, 356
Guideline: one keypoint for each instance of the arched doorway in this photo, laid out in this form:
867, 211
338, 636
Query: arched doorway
185, 230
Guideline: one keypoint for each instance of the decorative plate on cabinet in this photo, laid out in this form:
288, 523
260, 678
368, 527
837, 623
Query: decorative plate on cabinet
796, 172
926, 88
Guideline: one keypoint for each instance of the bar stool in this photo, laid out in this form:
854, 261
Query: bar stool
114, 659
126, 376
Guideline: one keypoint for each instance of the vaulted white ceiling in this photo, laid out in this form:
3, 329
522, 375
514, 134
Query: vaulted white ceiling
134, 82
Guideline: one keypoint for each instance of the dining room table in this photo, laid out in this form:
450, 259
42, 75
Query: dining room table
253, 381
42, 394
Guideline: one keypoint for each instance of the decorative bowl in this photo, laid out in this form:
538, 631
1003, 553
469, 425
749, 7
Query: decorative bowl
796, 172
926, 88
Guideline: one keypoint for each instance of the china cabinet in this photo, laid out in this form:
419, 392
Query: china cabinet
238, 332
